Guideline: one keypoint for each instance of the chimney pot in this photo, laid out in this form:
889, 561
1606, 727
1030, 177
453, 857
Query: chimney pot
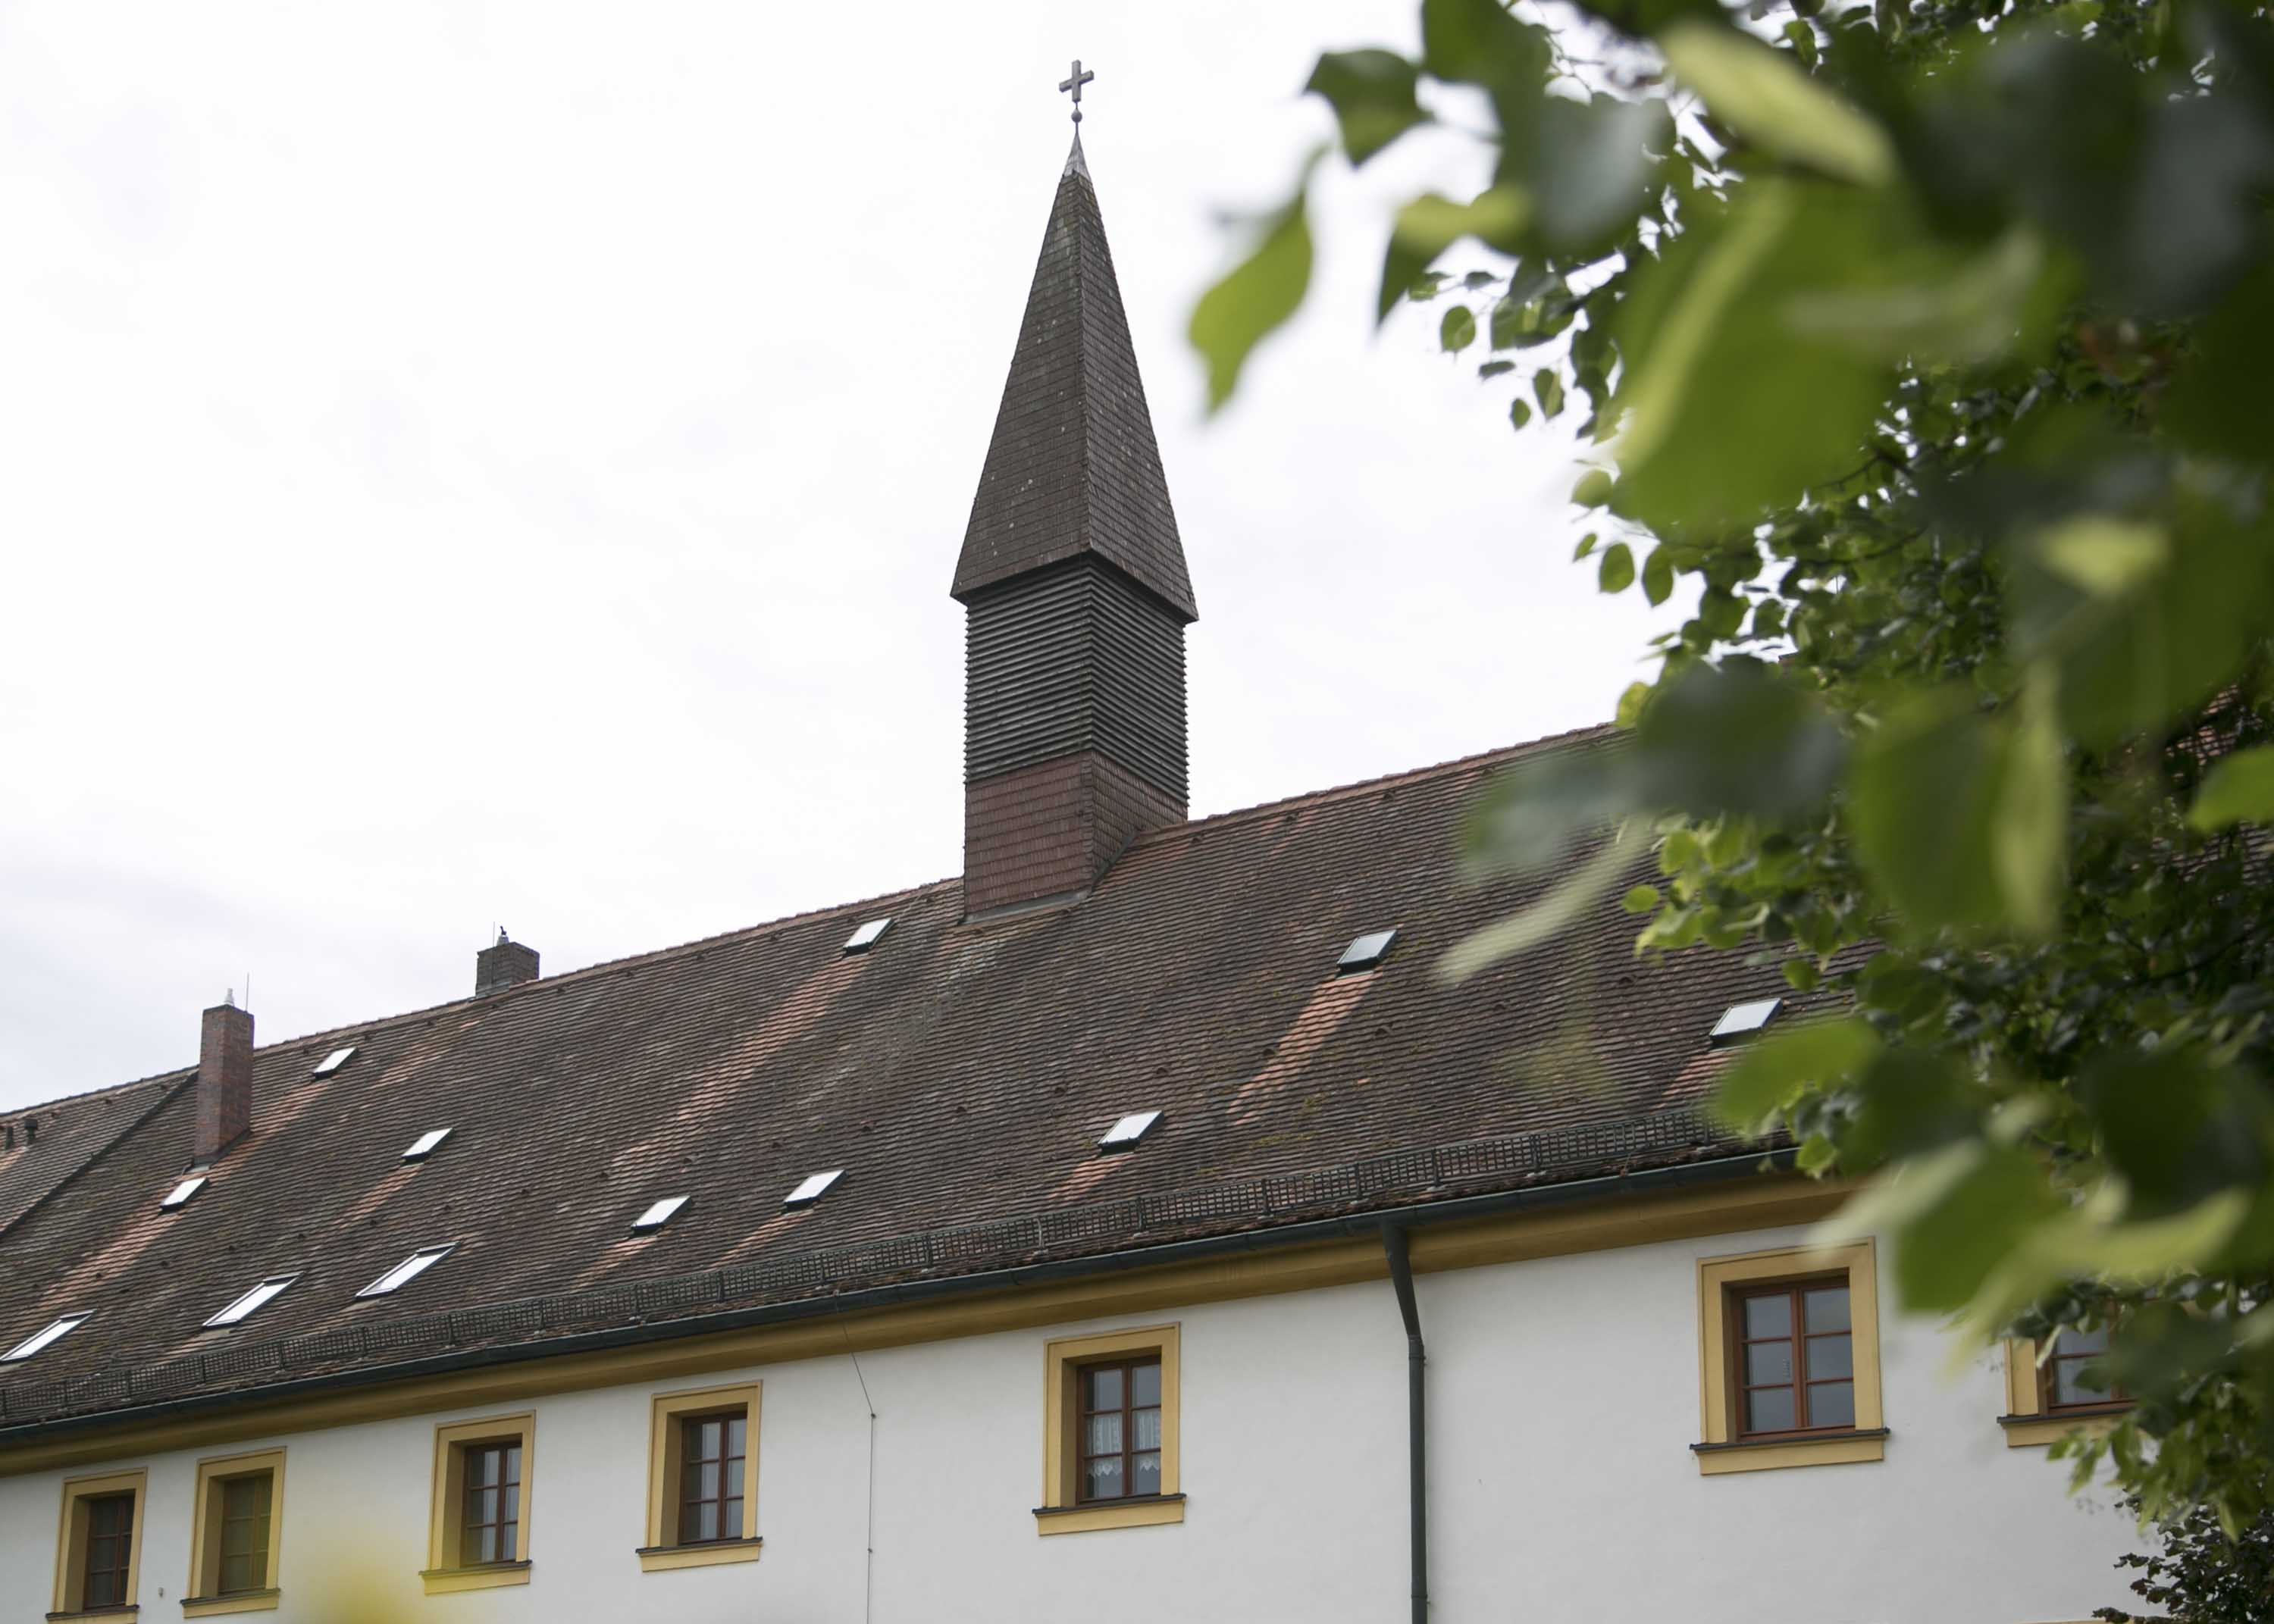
224, 1080
506, 963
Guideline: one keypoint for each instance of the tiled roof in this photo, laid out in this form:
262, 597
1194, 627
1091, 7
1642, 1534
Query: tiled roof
1072, 468
960, 1074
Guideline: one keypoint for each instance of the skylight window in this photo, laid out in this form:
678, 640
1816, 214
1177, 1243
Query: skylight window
1124, 1135
425, 1143
1367, 951
242, 1309
403, 1273
334, 1061
660, 1215
1744, 1019
54, 1333
861, 940
813, 1189
180, 1194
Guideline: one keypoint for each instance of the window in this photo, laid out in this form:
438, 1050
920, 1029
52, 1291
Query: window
1789, 1359
2062, 1394
1123, 1134
234, 1526
1119, 1440
100, 1552
178, 1197
403, 1273
812, 1187
1109, 1432
479, 1535
703, 1480
53, 1332
1795, 1363
1367, 951
867, 936
426, 1145
659, 1214
243, 1307
334, 1061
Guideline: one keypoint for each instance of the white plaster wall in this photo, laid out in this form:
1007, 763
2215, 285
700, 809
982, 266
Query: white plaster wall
1563, 1396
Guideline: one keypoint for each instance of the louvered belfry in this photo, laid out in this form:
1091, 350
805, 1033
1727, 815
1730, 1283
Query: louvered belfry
1076, 594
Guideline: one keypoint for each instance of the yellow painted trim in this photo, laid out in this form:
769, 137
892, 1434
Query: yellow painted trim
451, 1581
665, 1411
1716, 1399
1838, 1450
1061, 1361
1089, 1519
1767, 1202
205, 1533
444, 1572
2025, 1423
71, 1535
700, 1556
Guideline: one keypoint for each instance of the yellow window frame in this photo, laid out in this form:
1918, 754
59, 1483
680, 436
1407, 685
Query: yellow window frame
1721, 1451
663, 1549
202, 1601
1062, 1510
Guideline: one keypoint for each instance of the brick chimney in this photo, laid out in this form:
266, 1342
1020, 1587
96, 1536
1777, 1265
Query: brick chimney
506, 963
1074, 582
224, 1079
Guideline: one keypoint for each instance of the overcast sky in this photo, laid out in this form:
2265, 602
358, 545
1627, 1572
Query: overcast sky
467, 464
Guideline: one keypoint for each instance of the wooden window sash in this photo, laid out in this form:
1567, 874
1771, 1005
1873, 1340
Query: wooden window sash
506, 1525
730, 1463
1127, 1411
1797, 1338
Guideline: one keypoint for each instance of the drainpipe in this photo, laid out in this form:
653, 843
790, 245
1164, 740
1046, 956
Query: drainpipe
1401, 1276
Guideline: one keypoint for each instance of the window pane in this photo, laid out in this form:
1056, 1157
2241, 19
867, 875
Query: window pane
1145, 1385
1830, 1356
513, 1463
1105, 1389
2075, 1382
1145, 1474
1826, 1308
1768, 1316
1769, 1410
1102, 1480
1145, 1424
484, 1543
706, 1521
734, 1430
1101, 1435
1831, 1403
1768, 1363
239, 1574
487, 1464
2082, 1341
730, 1517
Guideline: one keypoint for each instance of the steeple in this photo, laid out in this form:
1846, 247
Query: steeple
1077, 596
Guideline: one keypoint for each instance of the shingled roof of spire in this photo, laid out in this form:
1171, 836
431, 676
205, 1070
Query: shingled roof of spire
1072, 468
960, 1074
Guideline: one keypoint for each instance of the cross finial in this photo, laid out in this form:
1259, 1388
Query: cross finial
1074, 83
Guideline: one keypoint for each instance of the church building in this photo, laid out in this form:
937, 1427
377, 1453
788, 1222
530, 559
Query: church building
1133, 1227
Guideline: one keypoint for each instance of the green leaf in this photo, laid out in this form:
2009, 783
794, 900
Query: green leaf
1951, 1247
1457, 330
1519, 411
1658, 576
1761, 94
2029, 836
1639, 898
1254, 299
2102, 555
1593, 488
1778, 1068
2177, 1127
1736, 738
1550, 917
1479, 43
1372, 93
1586, 545
1429, 224
1616, 573
2218, 400
2238, 789
1547, 386
1494, 369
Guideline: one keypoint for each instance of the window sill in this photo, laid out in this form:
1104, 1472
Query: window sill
1138, 1511
450, 1581
127, 1611
710, 1553
2034, 1431
1776, 1454
218, 1606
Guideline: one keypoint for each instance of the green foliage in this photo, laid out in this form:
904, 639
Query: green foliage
1927, 344
2202, 1575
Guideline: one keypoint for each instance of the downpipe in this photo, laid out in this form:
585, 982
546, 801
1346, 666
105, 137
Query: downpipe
1401, 1276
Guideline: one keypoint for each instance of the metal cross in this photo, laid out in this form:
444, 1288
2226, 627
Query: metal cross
1074, 84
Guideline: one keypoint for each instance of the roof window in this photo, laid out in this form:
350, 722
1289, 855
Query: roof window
658, 1215
861, 940
243, 1308
1744, 1019
180, 1194
403, 1273
815, 1186
54, 1332
426, 1145
1367, 951
334, 1061
1124, 1135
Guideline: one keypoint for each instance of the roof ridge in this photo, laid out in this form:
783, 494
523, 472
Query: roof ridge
1317, 797
170, 1074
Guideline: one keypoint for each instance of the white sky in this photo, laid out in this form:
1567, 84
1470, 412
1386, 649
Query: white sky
468, 464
